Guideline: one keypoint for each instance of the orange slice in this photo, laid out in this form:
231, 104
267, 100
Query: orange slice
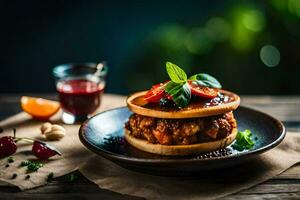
39, 108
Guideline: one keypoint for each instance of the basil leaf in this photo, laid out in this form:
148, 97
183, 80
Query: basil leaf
176, 74
183, 97
172, 88
206, 80
180, 92
243, 140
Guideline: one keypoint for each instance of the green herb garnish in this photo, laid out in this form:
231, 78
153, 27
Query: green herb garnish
50, 176
176, 74
243, 140
10, 159
25, 163
31, 166
72, 177
178, 87
180, 92
205, 80
34, 166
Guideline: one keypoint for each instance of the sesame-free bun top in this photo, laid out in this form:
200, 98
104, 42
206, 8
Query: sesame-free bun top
138, 105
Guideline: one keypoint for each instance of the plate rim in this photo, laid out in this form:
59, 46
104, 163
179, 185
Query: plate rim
118, 157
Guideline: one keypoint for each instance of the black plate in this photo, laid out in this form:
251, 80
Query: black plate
103, 134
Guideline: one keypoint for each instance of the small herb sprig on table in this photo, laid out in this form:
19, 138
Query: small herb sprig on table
10, 159
31, 166
72, 177
244, 140
178, 87
50, 176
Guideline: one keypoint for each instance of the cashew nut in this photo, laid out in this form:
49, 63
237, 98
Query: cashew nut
53, 132
46, 127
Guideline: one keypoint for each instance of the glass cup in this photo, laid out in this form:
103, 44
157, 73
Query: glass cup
80, 87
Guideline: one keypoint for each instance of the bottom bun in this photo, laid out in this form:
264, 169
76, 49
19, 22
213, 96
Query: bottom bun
180, 150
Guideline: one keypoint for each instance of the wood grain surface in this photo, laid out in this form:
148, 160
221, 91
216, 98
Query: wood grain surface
284, 186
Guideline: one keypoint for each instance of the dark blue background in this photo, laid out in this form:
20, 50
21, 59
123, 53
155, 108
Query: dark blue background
35, 36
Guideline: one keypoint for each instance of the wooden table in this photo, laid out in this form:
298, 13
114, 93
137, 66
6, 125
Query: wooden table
286, 185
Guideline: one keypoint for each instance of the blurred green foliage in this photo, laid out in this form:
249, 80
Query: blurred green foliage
251, 47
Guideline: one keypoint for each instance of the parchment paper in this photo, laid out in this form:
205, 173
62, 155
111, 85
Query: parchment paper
210, 185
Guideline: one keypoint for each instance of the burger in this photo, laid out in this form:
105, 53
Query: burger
182, 116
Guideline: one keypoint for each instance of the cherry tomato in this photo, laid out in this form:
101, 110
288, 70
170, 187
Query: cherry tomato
201, 91
43, 150
8, 146
155, 93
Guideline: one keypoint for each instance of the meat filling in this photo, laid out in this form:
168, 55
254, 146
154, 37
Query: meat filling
181, 131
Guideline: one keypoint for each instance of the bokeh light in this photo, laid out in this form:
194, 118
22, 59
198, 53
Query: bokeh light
270, 55
198, 42
247, 23
279, 4
254, 20
218, 29
171, 37
294, 7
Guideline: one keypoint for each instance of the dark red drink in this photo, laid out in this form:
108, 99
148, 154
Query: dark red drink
79, 97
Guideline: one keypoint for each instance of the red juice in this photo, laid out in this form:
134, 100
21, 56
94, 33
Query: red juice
79, 97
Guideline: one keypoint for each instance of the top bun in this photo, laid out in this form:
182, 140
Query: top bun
136, 103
